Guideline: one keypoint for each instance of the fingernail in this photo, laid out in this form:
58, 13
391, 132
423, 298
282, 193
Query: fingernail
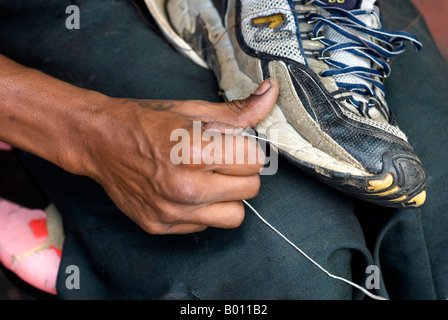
264, 86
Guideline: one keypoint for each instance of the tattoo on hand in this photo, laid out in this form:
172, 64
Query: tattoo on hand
155, 105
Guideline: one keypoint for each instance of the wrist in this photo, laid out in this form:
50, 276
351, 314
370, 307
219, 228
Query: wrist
87, 126
47, 117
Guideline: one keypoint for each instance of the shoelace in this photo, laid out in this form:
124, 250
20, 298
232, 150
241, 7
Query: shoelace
382, 47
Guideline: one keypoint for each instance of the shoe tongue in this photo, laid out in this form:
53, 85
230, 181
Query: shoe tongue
351, 4
344, 4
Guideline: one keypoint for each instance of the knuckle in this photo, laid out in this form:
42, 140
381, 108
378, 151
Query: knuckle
168, 218
167, 214
181, 191
236, 105
186, 193
155, 228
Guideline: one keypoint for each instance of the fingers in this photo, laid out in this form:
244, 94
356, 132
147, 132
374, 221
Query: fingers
219, 215
234, 116
210, 150
174, 229
227, 153
237, 113
208, 188
210, 194
214, 201
249, 111
237, 155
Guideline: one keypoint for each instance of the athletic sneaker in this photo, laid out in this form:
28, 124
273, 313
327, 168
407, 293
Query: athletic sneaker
330, 59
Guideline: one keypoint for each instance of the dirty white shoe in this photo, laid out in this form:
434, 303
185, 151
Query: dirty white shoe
330, 59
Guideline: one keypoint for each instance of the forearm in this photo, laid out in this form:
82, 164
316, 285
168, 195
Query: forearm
45, 116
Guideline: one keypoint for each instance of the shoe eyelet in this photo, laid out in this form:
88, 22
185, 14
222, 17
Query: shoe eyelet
324, 56
317, 38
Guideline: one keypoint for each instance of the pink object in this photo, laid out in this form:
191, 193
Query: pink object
39, 270
5, 146
25, 247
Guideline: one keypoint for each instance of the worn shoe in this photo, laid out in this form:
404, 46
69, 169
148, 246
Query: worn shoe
330, 58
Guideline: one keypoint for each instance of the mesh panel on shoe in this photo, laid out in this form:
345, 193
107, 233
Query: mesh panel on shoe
283, 41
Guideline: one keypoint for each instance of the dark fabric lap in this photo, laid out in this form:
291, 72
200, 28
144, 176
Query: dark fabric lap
116, 53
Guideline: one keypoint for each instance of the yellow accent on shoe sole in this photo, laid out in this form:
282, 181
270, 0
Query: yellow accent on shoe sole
380, 184
388, 192
418, 200
398, 199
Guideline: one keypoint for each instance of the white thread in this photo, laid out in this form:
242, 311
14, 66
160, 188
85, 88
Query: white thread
373, 296
244, 133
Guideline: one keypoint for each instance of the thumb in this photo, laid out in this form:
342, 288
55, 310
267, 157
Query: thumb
252, 110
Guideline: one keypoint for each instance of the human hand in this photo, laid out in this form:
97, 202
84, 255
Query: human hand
129, 155
125, 145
